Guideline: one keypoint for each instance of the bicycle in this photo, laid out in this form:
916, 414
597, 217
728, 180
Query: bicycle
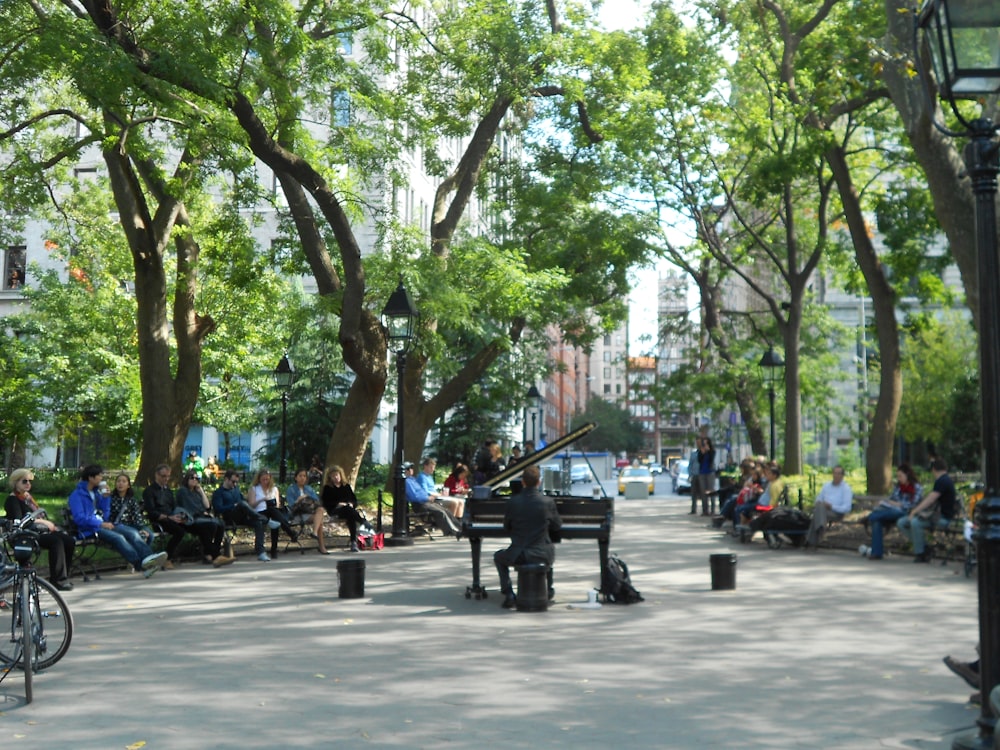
41, 626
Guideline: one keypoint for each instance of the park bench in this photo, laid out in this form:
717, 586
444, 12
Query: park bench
85, 550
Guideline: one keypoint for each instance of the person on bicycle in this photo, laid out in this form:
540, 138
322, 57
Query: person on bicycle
90, 509
51, 538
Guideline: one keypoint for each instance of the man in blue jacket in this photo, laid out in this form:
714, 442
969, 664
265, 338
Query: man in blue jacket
417, 494
89, 509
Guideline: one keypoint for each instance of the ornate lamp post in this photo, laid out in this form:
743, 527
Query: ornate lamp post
284, 376
399, 317
770, 363
964, 41
534, 398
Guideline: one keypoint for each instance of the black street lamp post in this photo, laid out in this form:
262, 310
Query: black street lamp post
964, 41
771, 362
534, 401
284, 376
399, 317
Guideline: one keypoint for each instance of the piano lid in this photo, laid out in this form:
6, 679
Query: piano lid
512, 472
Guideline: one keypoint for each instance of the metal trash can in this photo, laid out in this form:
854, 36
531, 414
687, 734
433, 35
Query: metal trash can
352, 578
532, 587
723, 571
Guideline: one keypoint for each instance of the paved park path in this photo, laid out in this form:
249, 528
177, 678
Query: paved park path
824, 650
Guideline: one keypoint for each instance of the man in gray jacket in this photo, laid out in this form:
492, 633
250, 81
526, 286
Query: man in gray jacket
532, 519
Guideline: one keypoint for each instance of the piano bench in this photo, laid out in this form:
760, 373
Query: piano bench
533, 583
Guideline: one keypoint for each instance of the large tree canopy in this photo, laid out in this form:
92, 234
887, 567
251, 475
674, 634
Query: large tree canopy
273, 79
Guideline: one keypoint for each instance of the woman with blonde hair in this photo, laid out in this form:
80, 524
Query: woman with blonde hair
51, 538
264, 497
340, 501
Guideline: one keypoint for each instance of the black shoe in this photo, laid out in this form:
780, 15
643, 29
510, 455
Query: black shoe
63, 585
552, 594
509, 600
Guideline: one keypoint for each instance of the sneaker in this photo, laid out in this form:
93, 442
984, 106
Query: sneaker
264, 557
154, 561
148, 572
223, 560
963, 670
272, 524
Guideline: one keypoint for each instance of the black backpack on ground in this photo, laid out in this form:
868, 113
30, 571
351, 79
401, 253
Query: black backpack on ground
616, 585
790, 522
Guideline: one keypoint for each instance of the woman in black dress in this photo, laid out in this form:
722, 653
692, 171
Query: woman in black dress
339, 500
51, 538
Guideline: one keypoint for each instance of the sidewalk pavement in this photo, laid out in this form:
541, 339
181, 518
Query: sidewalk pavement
819, 650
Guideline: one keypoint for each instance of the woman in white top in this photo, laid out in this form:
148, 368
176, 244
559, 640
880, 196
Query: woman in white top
263, 497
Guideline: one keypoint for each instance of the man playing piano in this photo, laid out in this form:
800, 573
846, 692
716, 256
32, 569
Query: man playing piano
531, 519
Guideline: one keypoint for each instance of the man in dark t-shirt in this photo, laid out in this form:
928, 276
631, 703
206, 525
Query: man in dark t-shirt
938, 507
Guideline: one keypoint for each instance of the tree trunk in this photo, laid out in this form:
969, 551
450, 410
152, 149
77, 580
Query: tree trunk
743, 393
167, 401
361, 407
938, 154
878, 458
792, 459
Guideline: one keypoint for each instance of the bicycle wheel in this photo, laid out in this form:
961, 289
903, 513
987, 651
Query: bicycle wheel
10, 637
27, 651
51, 626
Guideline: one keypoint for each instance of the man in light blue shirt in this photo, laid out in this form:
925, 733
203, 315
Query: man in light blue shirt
832, 504
422, 492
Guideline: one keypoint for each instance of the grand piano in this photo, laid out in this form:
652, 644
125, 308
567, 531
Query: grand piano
582, 517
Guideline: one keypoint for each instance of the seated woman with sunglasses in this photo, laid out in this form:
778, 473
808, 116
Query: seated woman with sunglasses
51, 538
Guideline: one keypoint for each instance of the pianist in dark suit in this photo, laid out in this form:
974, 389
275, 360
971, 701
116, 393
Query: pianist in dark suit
532, 520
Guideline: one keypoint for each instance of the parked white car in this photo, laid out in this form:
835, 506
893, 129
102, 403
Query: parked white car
682, 481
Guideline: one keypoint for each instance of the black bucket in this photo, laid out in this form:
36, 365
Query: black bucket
352, 578
532, 587
723, 572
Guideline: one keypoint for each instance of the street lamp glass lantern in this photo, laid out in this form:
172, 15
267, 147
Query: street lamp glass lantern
771, 362
534, 397
284, 374
964, 39
399, 316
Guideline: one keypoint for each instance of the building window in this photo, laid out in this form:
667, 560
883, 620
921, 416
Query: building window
340, 108
607, 356
618, 388
607, 339
13, 270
